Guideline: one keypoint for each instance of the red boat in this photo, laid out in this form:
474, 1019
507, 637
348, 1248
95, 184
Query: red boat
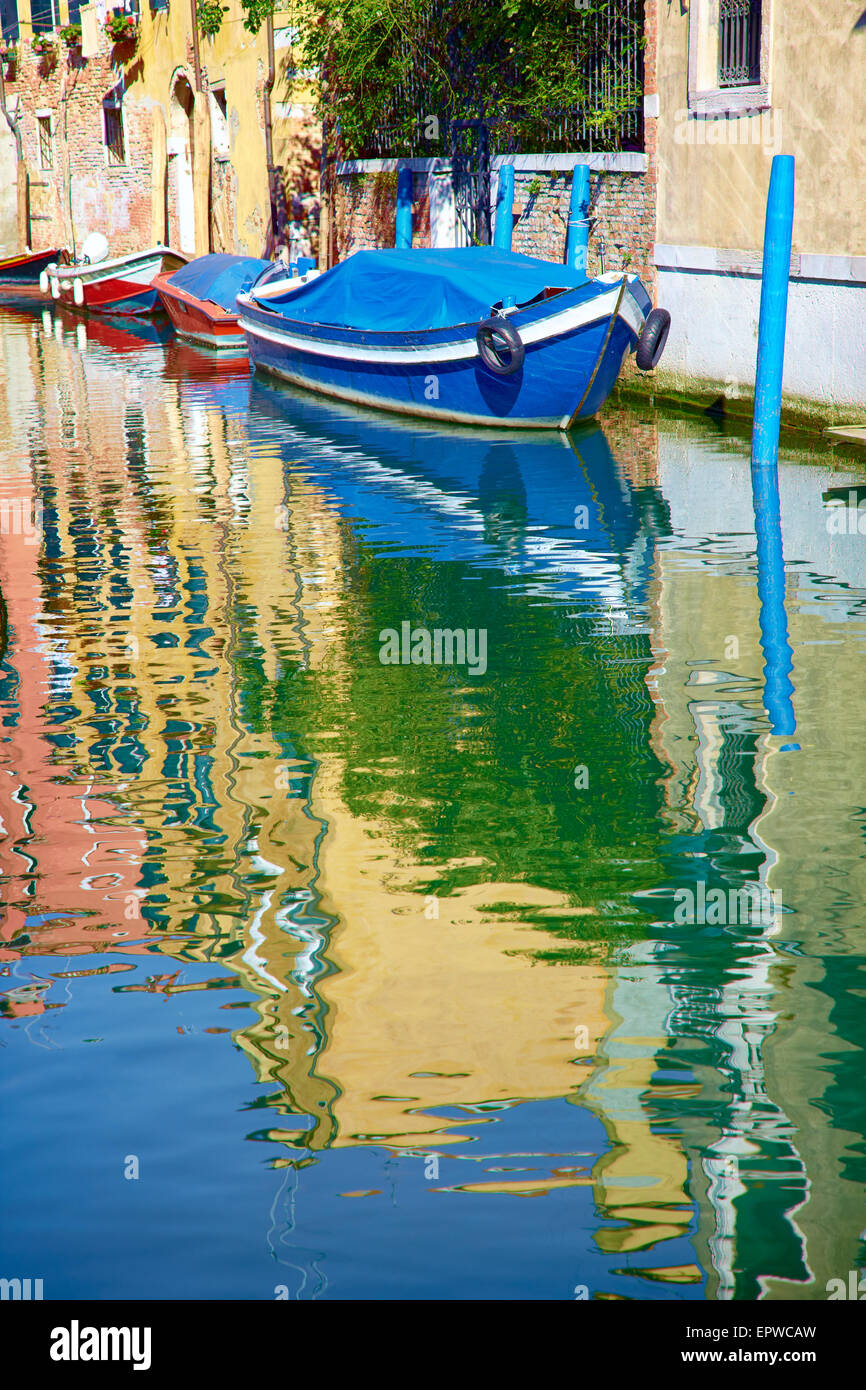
200, 298
23, 271
123, 285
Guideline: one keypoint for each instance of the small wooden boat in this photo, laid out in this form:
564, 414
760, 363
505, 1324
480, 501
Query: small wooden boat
122, 285
24, 270
199, 298
474, 334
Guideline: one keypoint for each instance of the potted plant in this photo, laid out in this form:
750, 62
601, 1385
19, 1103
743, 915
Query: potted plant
45, 47
121, 28
71, 35
9, 54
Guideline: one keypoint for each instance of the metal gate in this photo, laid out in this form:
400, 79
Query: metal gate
470, 176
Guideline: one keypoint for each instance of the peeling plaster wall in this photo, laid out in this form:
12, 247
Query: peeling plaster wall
8, 191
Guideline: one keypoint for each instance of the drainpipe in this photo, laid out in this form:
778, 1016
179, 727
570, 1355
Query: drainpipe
269, 87
9, 121
276, 219
23, 227
324, 206
196, 54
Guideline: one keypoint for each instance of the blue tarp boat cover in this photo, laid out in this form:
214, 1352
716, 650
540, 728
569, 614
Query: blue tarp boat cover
219, 278
407, 291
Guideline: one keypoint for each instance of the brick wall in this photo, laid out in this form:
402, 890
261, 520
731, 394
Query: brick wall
115, 200
623, 206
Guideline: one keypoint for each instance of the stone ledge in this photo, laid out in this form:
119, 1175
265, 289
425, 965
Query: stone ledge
805, 265
626, 163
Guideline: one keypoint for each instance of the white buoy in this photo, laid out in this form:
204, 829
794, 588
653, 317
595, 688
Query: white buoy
55, 287
78, 291
43, 281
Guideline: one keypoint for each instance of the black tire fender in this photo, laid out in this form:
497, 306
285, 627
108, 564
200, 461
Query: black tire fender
492, 335
654, 335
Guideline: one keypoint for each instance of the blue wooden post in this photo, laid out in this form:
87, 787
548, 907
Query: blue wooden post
774, 311
504, 208
403, 239
578, 219
778, 657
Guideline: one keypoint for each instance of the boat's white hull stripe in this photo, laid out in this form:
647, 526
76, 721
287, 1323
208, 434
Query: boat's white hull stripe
567, 321
121, 268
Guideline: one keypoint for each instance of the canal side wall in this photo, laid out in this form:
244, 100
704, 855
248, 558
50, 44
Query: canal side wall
712, 355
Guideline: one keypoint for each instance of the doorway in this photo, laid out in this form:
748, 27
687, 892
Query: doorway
180, 178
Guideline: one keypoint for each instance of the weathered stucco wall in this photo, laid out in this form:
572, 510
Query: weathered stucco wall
714, 170
712, 177
8, 191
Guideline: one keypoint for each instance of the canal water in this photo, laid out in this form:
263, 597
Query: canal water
334, 968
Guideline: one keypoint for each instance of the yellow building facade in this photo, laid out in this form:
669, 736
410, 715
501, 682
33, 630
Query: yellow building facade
161, 137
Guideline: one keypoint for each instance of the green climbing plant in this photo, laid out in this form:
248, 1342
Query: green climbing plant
256, 13
535, 71
396, 71
209, 17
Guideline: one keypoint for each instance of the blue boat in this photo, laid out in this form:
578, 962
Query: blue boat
23, 271
475, 335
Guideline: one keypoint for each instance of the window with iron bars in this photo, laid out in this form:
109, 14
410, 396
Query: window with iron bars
46, 150
739, 43
114, 135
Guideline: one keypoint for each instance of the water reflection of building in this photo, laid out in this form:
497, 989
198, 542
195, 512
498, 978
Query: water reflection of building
194, 583
206, 650
781, 1194
70, 868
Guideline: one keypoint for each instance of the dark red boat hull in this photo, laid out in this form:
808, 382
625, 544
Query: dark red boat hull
25, 269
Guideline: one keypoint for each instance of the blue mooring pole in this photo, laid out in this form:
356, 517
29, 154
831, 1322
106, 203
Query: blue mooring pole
403, 226
577, 247
778, 657
504, 208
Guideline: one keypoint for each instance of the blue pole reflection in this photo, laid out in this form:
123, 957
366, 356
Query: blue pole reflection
778, 657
